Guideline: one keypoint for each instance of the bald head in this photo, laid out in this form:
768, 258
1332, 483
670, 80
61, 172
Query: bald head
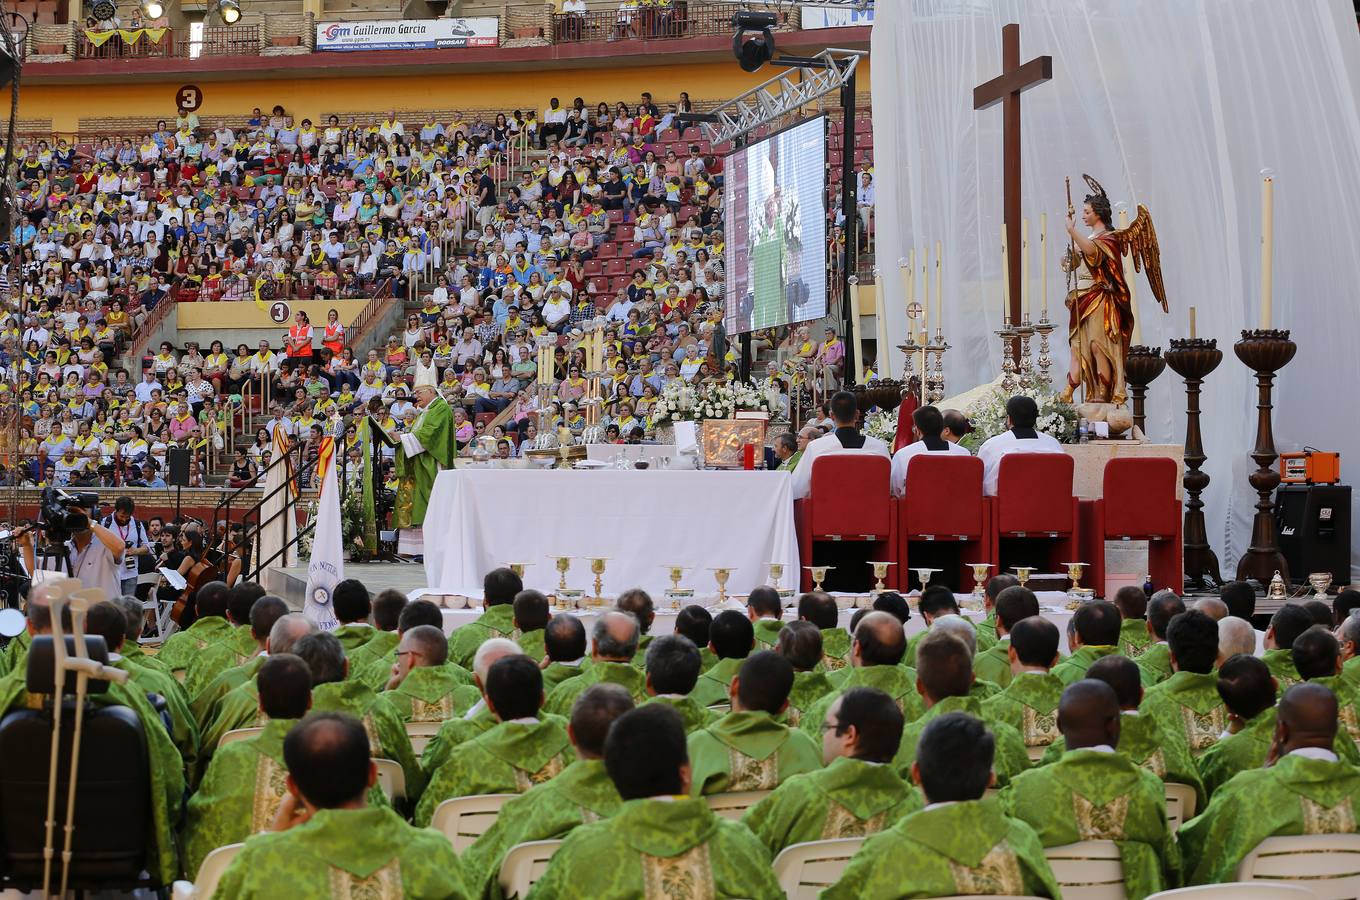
615, 637
1307, 718
1235, 636
489, 652
879, 641
1088, 715
960, 628
287, 631
1212, 607
428, 644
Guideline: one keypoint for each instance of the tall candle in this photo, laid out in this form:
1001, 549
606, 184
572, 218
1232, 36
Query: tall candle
925, 284
1024, 265
1192, 321
1267, 248
1043, 265
907, 267
939, 288
881, 328
1005, 279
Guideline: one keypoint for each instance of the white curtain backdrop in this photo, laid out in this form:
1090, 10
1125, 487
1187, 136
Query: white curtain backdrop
1176, 104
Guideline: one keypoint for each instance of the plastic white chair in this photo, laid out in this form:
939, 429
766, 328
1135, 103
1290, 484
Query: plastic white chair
209, 874
1237, 890
734, 804
391, 779
1088, 870
238, 734
464, 819
1181, 803
421, 733
804, 870
524, 865
160, 612
1326, 864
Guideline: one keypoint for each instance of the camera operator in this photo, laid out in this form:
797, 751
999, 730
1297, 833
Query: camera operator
94, 553
136, 543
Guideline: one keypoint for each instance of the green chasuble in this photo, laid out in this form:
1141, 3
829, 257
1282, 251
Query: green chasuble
559, 702
354, 636
714, 685
433, 694
1347, 699
1154, 666
508, 759
433, 428
243, 640
239, 796
1295, 796
212, 661
166, 768
970, 847
346, 853
1089, 795
387, 736
204, 703
1074, 667
1010, 760
898, 682
1248, 749
531, 642
983, 690
183, 728
835, 649
986, 632
495, 622
767, 632
1143, 740
748, 751
557, 672
181, 647
808, 688
581, 794
660, 847
994, 663
238, 708
909, 657
455, 732
1030, 706
639, 658
1281, 666
707, 659
848, 798
133, 653
1134, 638
1188, 703
692, 715
15, 654
1350, 670
379, 645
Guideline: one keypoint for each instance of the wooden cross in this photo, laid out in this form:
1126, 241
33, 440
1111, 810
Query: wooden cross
1005, 89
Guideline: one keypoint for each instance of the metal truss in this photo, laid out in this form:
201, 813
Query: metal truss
794, 88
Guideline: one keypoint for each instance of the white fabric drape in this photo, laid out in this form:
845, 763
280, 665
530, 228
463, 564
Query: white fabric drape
1176, 104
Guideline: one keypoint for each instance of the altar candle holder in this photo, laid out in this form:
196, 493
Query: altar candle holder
1141, 368
1193, 359
1044, 327
933, 377
909, 348
1024, 331
1007, 335
1266, 351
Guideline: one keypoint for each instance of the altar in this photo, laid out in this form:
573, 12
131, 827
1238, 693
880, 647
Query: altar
641, 521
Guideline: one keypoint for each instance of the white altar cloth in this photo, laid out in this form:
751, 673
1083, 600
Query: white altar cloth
643, 521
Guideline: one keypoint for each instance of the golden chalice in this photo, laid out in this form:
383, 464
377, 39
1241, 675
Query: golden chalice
721, 576
519, 567
563, 566
675, 592
880, 572
980, 571
818, 575
1074, 573
776, 573
1320, 581
597, 569
1023, 573
924, 575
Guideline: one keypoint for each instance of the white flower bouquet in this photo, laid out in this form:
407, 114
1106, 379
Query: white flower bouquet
882, 425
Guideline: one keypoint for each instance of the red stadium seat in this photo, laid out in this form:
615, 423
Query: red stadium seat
627, 249
944, 504
618, 267
594, 267
1138, 503
849, 501
1034, 503
607, 250
615, 215
692, 133
623, 232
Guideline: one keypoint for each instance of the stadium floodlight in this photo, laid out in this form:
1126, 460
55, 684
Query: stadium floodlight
230, 11
153, 9
753, 44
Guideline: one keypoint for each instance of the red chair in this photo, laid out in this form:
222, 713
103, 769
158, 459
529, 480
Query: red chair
1034, 500
1138, 503
944, 502
849, 501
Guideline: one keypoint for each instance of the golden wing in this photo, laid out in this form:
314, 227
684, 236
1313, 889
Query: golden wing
1139, 240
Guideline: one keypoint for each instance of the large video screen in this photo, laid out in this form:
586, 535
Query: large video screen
775, 196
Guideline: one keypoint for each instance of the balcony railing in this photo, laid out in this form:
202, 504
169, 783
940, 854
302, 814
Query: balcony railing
236, 40
679, 20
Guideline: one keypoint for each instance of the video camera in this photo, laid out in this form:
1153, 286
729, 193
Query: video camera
61, 513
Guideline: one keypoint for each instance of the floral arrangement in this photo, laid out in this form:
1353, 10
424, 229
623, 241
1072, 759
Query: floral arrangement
882, 425
988, 415
683, 402
679, 402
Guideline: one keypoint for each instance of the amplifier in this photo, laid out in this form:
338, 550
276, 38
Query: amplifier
1310, 467
1314, 523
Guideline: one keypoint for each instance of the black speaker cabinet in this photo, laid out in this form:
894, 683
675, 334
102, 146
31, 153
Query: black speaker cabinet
1314, 522
177, 466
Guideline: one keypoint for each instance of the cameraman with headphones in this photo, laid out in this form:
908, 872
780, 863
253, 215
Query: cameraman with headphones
95, 554
135, 542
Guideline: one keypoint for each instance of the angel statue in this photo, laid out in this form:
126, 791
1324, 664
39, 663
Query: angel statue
1101, 301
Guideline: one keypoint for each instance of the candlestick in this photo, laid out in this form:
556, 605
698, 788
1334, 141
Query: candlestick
1265, 351
1141, 368
1043, 266
882, 366
1193, 360
939, 289
906, 268
1024, 266
1267, 246
1005, 281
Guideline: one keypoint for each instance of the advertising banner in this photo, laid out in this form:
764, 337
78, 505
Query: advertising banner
408, 34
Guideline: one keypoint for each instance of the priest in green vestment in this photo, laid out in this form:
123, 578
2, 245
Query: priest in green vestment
1134, 636
1095, 794
765, 609
423, 451
672, 671
1303, 789
987, 631
614, 641
212, 661
1011, 605
1248, 691
819, 608
747, 750
531, 613
352, 607
1349, 635
1093, 632
731, 637
1289, 621
423, 686
937, 601
499, 588
478, 718
1029, 704
958, 843
210, 628
247, 779
380, 654
875, 661
801, 644
1155, 661
1317, 658
1188, 702
564, 650
580, 794
637, 603
661, 842
944, 677
857, 794
264, 612
525, 748
328, 842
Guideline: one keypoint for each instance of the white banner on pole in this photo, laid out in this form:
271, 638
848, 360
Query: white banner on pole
326, 568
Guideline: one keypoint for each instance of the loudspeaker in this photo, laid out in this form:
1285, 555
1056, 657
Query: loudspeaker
177, 466
1314, 523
